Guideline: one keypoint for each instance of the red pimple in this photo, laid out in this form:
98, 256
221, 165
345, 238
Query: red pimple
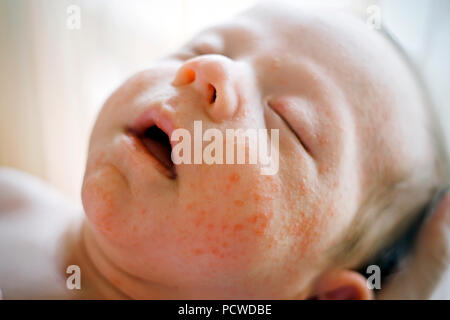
256, 197
252, 219
306, 231
198, 251
303, 188
274, 187
106, 198
190, 206
234, 177
323, 139
260, 229
104, 221
238, 203
324, 169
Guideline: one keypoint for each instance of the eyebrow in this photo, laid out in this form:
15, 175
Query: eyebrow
240, 28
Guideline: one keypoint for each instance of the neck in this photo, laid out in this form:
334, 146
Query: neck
94, 285
106, 280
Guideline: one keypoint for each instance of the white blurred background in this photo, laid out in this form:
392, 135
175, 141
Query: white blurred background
54, 79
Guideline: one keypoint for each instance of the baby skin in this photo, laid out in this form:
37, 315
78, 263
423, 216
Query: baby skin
349, 123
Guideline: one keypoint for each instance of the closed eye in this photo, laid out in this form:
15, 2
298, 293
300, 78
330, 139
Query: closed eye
184, 55
204, 48
209, 44
290, 128
201, 52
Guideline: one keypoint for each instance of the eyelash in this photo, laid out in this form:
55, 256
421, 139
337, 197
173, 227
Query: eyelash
200, 51
205, 48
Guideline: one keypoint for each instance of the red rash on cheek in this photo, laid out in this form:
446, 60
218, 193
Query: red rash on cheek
324, 169
100, 205
259, 222
303, 187
238, 203
268, 190
323, 140
229, 233
305, 229
218, 240
227, 238
233, 179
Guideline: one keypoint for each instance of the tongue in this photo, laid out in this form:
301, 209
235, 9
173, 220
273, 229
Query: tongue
160, 151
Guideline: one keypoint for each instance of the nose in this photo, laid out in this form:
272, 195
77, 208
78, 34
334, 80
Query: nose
212, 76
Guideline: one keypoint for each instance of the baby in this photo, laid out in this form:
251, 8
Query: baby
357, 154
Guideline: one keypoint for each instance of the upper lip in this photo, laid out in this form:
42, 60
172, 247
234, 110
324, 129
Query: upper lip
154, 116
151, 117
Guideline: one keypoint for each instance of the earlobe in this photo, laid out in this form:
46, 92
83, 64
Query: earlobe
342, 285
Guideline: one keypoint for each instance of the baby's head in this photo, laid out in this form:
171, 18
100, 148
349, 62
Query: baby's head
356, 162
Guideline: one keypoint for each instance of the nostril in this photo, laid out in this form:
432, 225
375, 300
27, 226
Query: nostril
212, 93
185, 77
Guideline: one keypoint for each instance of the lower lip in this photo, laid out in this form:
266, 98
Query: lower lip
139, 153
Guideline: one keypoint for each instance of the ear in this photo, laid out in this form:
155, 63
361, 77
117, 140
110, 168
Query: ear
342, 285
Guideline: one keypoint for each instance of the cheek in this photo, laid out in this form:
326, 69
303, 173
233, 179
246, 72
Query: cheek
225, 236
304, 230
232, 225
313, 231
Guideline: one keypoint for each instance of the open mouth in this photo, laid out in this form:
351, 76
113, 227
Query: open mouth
157, 144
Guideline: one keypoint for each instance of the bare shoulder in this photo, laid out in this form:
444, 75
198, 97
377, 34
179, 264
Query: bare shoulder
20, 191
34, 222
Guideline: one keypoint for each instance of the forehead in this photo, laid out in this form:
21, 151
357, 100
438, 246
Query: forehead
278, 24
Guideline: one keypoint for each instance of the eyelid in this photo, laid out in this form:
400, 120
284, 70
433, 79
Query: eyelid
185, 55
205, 48
209, 44
305, 147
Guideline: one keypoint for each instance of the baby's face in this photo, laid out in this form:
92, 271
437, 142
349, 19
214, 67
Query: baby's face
334, 90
